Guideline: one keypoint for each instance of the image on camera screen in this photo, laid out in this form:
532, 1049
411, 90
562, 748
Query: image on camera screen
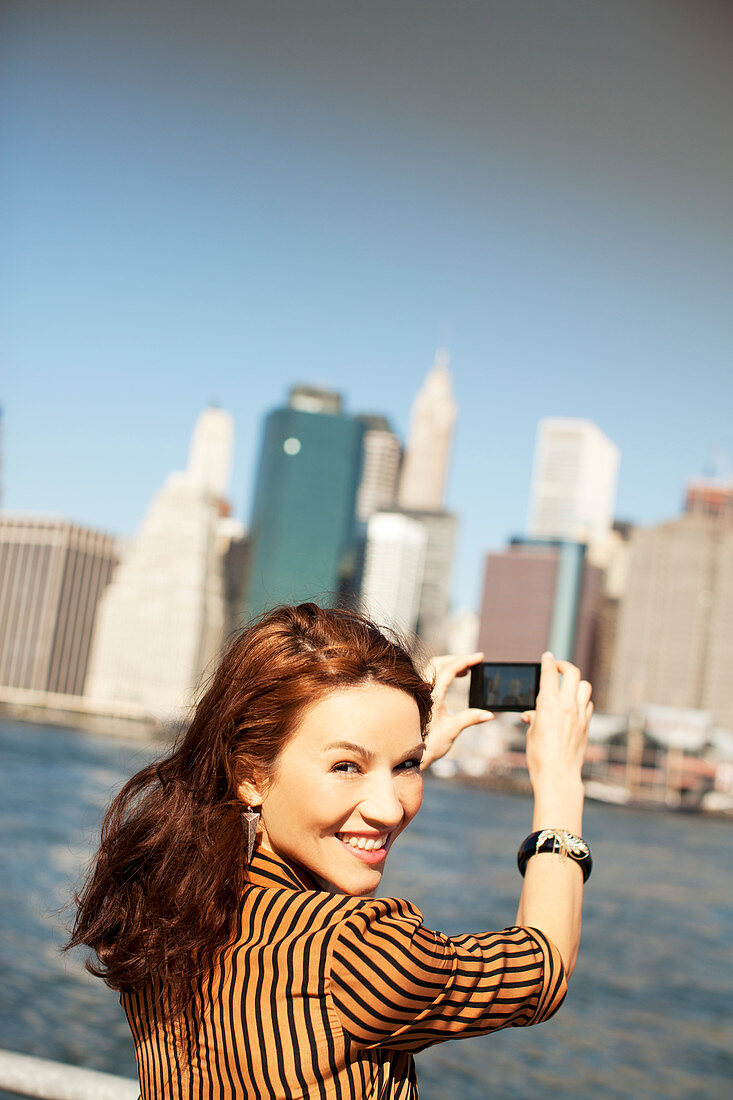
510, 686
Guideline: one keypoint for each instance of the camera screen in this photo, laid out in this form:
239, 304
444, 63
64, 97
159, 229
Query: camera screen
499, 686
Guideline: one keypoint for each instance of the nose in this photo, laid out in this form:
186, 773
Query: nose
381, 805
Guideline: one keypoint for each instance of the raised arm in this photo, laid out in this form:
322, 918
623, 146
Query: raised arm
551, 896
552, 893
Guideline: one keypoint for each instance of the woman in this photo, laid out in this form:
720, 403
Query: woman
232, 898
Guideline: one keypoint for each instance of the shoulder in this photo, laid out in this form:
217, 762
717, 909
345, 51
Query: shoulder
379, 922
373, 935
365, 913
277, 911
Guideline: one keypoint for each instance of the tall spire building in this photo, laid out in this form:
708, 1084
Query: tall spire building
409, 546
427, 457
210, 452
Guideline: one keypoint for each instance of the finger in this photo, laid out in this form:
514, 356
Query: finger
570, 678
527, 717
473, 717
549, 679
584, 692
459, 665
447, 660
448, 667
589, 712
465, 718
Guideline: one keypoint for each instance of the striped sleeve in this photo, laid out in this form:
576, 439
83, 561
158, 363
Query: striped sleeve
396, 984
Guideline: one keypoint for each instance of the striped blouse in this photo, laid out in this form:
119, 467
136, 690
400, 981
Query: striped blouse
325, 995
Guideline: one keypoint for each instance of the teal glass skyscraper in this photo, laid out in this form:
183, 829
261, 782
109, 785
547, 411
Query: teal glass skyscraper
303, 527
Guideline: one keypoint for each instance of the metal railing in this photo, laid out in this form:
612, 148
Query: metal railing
23, 1075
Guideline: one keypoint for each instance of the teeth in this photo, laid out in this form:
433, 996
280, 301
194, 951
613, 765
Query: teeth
367, 844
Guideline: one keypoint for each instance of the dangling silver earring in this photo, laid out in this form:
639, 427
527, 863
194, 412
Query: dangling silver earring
251, 819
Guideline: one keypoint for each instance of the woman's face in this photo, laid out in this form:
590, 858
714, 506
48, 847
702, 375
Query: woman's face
345, 786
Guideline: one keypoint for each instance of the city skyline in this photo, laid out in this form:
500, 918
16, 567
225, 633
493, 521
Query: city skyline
459, 589
293, 195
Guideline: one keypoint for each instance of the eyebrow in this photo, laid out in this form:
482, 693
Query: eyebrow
350, 746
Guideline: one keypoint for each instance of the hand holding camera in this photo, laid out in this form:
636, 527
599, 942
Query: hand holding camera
550, 695
445, 727
559, 727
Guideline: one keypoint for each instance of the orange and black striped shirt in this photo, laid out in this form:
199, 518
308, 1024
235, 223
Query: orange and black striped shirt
325, 995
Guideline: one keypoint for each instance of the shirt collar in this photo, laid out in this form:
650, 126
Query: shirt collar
268, 869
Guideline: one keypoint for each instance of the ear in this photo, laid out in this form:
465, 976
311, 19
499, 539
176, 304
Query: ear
252, 793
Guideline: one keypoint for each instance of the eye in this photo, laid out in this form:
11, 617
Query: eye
413, 764
346, 767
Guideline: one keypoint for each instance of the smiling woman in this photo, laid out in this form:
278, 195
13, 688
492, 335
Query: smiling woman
255, 961
337, 806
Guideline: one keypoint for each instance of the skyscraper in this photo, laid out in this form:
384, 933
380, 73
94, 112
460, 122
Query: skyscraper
540, 595
573, 483
674, 643
709, 497
380, 467
52, 575
2, 483
427, 455
393, 569
435, 591
303, 528
210, 453
422, 493
161, 620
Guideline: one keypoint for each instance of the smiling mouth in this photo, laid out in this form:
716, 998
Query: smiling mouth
369, 849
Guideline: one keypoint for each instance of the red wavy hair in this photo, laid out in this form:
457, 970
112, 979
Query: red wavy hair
162, 895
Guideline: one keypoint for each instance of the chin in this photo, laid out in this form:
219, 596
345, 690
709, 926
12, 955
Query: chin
356, 886
366, 889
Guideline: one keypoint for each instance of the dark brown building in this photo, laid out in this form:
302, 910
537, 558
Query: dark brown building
538, 596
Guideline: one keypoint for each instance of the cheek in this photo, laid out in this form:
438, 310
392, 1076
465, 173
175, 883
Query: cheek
412, 797
313, 798
292, 796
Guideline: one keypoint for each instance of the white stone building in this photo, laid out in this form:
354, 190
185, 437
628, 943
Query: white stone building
573, 482
381, 458
393, 570
674, 645
161, 620
429, 442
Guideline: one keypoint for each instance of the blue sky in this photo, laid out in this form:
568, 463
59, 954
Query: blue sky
213, 202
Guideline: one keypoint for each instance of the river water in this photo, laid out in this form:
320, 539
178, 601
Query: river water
648, 1014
